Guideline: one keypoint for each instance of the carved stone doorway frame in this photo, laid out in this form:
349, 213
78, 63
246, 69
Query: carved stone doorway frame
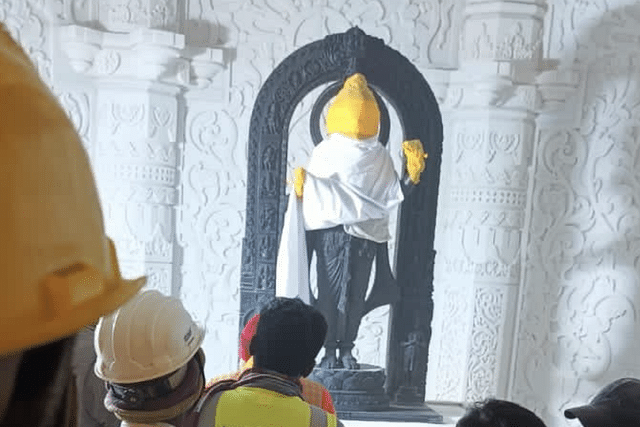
403, 87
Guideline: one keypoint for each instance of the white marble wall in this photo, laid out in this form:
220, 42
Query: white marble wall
572, 303
579, 327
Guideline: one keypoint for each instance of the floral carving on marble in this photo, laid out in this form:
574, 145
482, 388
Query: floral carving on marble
76, 106
126, 15
26, 21
487, 322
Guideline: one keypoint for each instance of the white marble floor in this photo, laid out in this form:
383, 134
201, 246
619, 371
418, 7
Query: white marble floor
450, 413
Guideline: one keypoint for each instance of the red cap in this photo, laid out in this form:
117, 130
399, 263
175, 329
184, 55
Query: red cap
246, 335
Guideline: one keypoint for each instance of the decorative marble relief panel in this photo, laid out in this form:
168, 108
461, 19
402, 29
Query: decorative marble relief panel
511, 39
579, 312
210, 223
456, 303
27, 21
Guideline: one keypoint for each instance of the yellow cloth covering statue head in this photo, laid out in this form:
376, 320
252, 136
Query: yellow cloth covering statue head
354, 112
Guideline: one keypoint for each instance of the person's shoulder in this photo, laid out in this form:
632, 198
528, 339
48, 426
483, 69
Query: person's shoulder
323, 418
223, 377
317, 394
312, 391
311, 383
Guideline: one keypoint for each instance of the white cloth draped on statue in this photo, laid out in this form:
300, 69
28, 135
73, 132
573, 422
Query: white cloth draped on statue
292, 269
349, 182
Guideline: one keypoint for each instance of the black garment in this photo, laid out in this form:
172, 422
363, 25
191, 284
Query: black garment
343, 264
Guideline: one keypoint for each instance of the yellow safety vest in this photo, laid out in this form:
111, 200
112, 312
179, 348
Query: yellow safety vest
258, 407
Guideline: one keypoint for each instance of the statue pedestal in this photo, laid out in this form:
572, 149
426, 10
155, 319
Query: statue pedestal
354, 389
409, 395
358, 394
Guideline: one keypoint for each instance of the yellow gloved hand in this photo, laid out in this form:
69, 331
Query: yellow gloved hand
299, 175
415, 156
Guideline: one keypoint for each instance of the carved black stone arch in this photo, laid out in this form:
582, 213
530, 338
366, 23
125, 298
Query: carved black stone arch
403, 86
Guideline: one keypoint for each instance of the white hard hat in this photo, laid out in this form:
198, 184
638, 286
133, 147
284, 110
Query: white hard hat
150, 336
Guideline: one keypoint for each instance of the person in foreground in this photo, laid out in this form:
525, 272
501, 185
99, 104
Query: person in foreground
616, 405
289, 335
59, 269
312, 392
499, 413
149, 355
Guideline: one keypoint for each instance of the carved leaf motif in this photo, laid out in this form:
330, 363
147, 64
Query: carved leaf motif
77, 108
161, 116
126, 114
211, 132
365, 11
222, 225
120, 13
505, 143
450, 352
26, 22
107, 61
485, 335
161, 14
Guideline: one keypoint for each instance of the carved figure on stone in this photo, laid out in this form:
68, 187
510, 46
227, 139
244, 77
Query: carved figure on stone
268, 220
342, 202
414, 350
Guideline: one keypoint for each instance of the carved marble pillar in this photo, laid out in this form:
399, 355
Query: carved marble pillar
491, 107
138, 67
137, 146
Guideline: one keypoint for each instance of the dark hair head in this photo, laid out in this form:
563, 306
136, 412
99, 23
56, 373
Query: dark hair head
288, 338
499, 413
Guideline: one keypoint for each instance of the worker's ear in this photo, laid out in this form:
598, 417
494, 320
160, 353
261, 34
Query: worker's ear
309, 369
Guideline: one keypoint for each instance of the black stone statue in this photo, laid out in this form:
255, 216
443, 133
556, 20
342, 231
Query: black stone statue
343, 269
392, 77
344, 262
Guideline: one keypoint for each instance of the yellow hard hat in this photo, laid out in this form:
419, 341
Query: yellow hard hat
354, 111
59, 270
148, 337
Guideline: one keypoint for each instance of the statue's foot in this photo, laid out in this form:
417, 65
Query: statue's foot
348, 361
330, 361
